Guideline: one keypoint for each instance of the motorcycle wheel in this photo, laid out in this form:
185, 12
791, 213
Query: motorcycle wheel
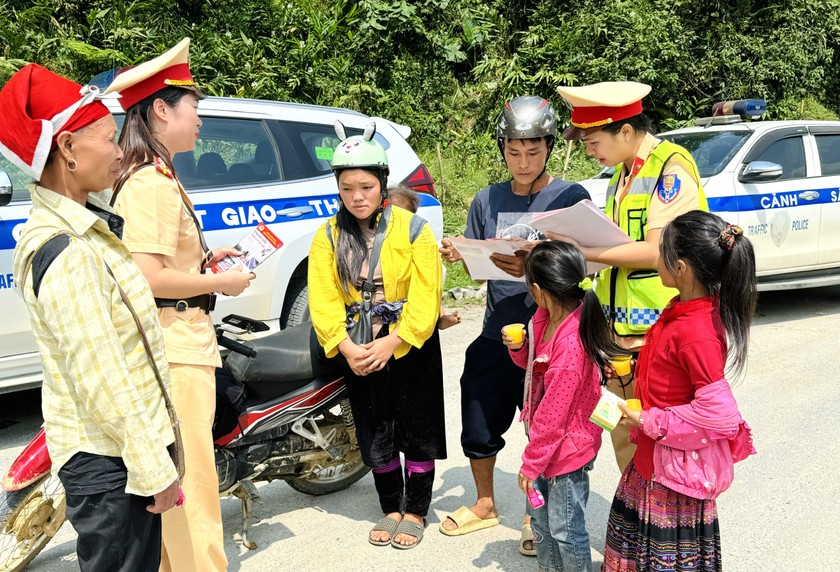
29, 518
330, 479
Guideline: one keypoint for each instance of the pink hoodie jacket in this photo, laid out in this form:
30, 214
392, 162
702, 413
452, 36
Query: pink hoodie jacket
565, 388
698, 443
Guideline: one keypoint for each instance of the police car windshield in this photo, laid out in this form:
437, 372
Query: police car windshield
712, 150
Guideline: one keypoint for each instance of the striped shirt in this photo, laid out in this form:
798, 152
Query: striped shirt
100, 394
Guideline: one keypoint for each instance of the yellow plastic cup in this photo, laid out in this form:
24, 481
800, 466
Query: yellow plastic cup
621, 365
515, 332
634, 404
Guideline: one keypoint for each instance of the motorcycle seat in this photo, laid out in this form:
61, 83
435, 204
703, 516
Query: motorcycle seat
288, 356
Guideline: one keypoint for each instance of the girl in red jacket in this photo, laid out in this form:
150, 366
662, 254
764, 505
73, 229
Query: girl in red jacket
569, 341
689, 433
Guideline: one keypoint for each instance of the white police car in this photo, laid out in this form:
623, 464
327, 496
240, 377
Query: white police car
256, 161
778, 180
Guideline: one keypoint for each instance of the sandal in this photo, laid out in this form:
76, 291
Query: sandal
527, 535
409, 528
467, 522
385, 524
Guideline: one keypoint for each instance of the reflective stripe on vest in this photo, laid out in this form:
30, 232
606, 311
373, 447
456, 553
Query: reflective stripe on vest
632, 298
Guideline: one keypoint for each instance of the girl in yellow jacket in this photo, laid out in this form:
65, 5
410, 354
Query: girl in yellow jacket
395, 382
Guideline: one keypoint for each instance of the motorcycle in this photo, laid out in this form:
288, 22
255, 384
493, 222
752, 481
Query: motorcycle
282, 413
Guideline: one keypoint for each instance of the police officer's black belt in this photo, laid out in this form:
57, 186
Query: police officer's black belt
206, 302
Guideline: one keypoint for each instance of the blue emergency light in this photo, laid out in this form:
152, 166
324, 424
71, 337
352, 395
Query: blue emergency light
745, 108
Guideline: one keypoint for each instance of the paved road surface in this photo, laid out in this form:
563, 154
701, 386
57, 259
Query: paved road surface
777, 516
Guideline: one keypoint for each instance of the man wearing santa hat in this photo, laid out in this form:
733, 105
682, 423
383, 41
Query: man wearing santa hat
104, 393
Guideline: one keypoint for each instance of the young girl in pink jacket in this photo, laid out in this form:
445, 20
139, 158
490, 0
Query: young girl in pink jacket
689, 433
568, 342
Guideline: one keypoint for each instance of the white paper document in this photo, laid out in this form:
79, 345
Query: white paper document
255, 248
583, 222
476, 255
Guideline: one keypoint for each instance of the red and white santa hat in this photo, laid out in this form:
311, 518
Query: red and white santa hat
35, 106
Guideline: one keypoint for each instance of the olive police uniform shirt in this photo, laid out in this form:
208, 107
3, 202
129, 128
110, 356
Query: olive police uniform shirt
157, 221
665, 206
100, 394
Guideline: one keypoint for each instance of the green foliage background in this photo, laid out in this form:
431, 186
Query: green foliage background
444, 67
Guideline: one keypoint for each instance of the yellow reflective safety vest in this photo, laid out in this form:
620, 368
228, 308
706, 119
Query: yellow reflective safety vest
633, 298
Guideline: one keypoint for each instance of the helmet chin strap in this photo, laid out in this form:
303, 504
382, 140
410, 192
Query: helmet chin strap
383, 196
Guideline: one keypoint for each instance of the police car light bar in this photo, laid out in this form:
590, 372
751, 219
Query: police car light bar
726, 112
746, 108
719, 120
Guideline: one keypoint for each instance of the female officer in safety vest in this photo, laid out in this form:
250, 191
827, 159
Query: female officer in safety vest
654, 182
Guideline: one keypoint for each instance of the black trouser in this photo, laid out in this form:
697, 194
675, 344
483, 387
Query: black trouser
116, 532
410, 495
400, 410
491, 391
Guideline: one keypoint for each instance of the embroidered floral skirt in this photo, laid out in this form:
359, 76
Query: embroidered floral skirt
655, 529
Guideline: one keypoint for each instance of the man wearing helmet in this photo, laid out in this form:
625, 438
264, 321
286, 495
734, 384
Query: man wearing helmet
491, 384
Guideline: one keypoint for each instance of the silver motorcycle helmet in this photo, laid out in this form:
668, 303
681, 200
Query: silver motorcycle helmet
526, 117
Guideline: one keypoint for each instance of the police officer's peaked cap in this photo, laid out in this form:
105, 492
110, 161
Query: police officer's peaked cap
134, 84
599, 104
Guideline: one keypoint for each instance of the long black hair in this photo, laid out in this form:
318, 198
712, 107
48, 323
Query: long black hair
723, 262
351, 247
138, 142
559, 268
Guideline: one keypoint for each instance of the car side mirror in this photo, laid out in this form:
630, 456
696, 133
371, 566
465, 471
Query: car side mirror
5, 188
760, 171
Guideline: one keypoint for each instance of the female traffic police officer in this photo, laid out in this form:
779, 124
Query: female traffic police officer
654, 182
163, 235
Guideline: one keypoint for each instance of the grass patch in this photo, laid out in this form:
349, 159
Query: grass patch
457, 276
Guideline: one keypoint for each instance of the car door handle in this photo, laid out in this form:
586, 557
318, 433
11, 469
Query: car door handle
295, 212
809, 195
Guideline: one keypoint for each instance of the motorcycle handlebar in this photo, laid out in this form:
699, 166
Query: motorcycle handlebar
237, 347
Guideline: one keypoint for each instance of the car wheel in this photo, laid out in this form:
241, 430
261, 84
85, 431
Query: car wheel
296, 304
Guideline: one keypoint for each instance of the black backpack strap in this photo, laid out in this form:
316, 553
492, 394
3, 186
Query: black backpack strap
328, 229
415, 227
378, 239
45, 256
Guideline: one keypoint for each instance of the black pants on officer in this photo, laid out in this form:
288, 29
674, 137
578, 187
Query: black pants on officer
116, 532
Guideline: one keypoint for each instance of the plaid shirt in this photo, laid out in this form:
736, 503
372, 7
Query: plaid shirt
100, 394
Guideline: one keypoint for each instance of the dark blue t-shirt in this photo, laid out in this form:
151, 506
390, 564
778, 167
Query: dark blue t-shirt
494, 213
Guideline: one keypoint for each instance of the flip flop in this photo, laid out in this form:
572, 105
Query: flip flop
409, 528
526, 535
467, 522
385, 524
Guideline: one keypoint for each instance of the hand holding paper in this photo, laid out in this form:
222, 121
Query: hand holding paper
251, 251
477, 256
582, 224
